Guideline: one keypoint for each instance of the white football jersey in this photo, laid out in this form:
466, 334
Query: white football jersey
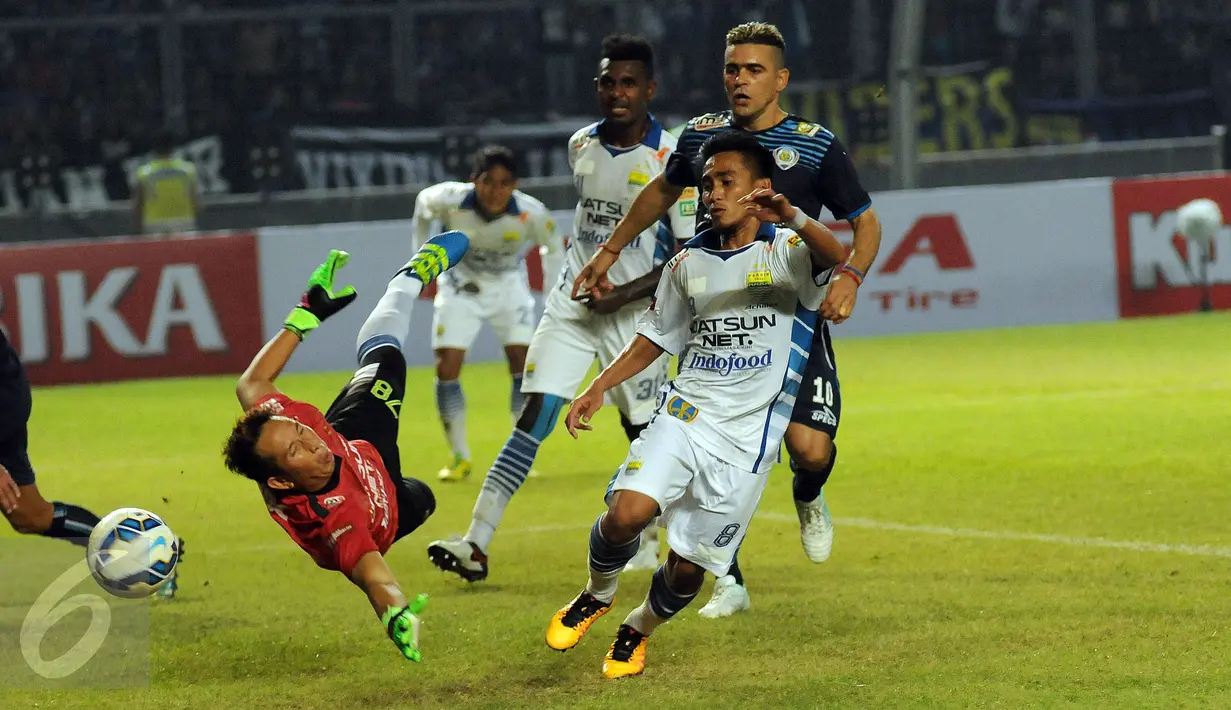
741, 321
497, 246
608, 179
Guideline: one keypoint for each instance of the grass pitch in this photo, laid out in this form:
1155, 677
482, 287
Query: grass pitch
1026, 518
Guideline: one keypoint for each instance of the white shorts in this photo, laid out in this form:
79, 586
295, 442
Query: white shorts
462, 304
706, 503
564, 349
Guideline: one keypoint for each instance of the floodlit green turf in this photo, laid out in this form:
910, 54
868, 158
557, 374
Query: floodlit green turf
951, 446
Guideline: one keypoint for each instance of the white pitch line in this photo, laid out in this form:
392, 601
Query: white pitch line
1136, 546
1039, 398
1002, 535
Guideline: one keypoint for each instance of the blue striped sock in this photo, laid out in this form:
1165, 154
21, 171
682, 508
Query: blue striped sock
664, 602
518, 400
512, 464
607, 560
506, 475
451, 404
71, 522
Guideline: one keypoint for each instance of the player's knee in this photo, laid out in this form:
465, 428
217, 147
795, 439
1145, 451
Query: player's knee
449, 364
539, 414
516, 356
810, 449
628, 515
683, 577
530, 411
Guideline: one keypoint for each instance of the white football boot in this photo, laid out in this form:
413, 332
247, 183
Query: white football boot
728, 598
459, 556
815, 528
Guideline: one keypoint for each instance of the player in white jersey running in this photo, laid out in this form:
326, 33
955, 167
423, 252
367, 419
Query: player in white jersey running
738, 304
490, 284
611, 161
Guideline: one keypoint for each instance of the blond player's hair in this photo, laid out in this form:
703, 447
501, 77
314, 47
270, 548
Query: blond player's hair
756, 33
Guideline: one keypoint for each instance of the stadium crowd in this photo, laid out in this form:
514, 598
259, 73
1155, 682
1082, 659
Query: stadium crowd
93, 91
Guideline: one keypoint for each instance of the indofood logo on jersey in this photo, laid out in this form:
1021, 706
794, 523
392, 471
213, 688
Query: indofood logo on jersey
726, 364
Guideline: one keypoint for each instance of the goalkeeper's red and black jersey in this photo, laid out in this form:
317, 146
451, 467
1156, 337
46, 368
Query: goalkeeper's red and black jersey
811, 166
354, 514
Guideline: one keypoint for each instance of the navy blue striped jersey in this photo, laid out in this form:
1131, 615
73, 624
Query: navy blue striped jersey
10, 363
811, 166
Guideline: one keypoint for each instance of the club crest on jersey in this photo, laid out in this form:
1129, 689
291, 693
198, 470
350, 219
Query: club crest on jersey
638, 178
709, 121
681, 409
332, 502
759, 283
786, 157
511, 236
794, 240
634, 465
688, 202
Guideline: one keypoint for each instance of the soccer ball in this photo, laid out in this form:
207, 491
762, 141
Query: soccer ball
132, 553
1199, 220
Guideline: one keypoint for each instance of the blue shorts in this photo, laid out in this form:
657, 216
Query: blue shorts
819, 405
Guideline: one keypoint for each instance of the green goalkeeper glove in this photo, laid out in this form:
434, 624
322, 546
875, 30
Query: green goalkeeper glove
320, 302
402, 625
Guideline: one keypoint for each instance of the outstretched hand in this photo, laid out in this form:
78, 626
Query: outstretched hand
768, 206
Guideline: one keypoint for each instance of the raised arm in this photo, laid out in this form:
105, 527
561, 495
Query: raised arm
651, 204
317, 304
401, 620
775, 208
257, 382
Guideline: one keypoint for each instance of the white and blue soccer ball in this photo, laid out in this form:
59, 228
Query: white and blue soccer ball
1199, 220
132, 553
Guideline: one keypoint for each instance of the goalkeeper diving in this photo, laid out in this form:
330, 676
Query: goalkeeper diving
334, 481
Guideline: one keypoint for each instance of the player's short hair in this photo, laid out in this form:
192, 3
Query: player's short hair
756, 33
757, 157
629, 48
239, 453
163, 142
489, 156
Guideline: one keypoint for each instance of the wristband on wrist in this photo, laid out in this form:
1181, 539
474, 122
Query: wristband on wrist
799, 221
299, 321
854, 273
608, 249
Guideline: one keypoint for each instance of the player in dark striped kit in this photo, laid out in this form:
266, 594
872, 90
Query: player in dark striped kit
23, 505
813, 170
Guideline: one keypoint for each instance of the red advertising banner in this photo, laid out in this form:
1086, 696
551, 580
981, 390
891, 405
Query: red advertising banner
1157, 271
117, 310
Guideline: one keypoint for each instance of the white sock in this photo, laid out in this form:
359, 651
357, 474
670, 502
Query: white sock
644, 619
488, 510
451, 404
603, 585
389, 321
